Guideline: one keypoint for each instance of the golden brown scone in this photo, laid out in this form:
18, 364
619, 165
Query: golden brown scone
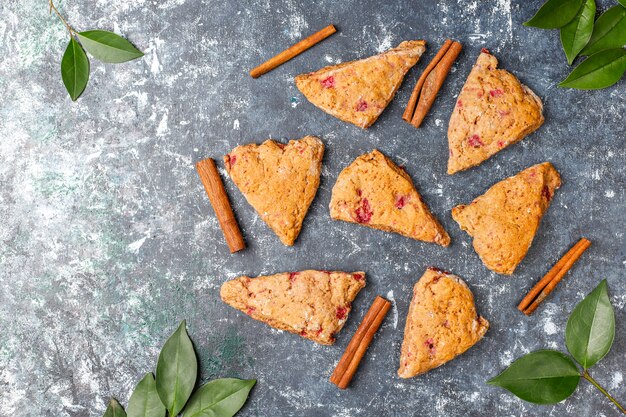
358, 91
312, 304
375, 192
279, 181
441, 324
504, 220
494, 110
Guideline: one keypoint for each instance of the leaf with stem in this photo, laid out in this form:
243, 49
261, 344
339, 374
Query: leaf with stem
177, 369
591, 327
555, 14
114, 409
576, 34
219, 398
600, 70
108, 46
609, 31
603, 391
145, 401
542, 377
75, 69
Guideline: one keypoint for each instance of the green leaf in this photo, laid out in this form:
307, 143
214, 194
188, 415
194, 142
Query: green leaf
219, 398
609, 31
576, 34
75, 69
114, 409
176, 371
108, 47
145, 401
591, 327
542, 377
622, 2
600, 70
555, 14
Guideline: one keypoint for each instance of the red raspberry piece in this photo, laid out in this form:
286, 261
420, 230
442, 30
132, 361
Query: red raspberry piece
303, 333
292, 276
341, 313
364, 213
475, 141
545, 192
250, 310
361, 105
430, 344
328, 82
400, 201
485, 51
500, 144
232, 159
357, 277
459, 103
496, 93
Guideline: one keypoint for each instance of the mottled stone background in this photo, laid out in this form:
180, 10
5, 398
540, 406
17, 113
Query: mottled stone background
108, 240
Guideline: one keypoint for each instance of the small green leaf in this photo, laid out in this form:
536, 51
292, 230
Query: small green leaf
114, 409
609, 31
108, 47
177, 369
145, 401
555, 14
542, 377
600, 70
219, 398
75, 69
576, 34
591, 327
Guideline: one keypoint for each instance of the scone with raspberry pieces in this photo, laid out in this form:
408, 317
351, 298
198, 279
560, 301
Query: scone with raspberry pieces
359, 91
375, 192
312, 304
442, 323
493, 110
279, 181
504, 220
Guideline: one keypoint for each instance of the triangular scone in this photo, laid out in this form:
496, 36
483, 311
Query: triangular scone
279, 181
358, 91
504, 220
375, 192
312, 304
493, 110
441, 324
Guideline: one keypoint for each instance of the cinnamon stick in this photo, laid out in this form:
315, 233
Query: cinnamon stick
292, 51
433, 82
410, 107
548, 283
214, 187
349, 362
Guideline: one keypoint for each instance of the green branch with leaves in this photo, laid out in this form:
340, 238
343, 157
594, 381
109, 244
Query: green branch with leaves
602, 41
101, 44
172, 390
549, 376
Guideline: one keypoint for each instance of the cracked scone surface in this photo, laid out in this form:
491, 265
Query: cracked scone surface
504, 220
375, 192
312, 304
442, 323
493, 110
358, 91
279, 181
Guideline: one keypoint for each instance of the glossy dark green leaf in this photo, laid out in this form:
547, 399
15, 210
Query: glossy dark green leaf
145, 401
542, 377
576, 34
609, 31
114, 409
600, 70
177, 369
219, 398
108, 47
75, 69
555, 14
591, 327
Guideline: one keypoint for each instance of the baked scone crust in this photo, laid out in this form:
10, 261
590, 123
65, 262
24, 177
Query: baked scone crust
359, 91
375, 192
442, 323
279, 181
493, 110
312, 304
504, 220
